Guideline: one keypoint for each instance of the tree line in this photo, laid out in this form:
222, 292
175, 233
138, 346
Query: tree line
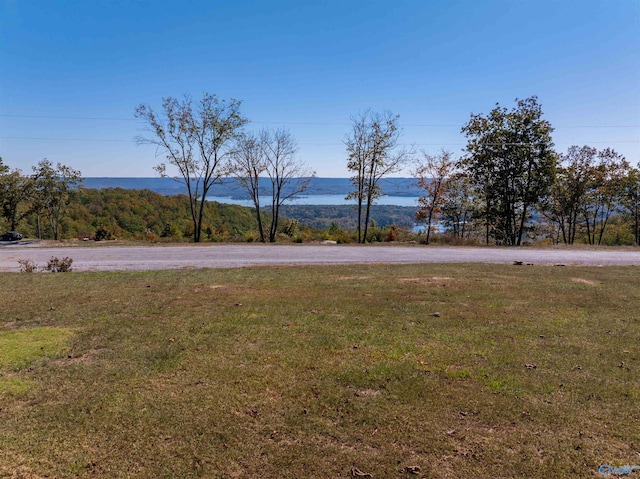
511, 186
44, 195
508, 187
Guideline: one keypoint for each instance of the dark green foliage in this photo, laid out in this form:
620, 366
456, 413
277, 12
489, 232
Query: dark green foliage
14, 190
511, 164
171, 231
102, 234
52, 191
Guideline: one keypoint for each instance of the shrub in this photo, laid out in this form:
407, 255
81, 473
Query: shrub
392, 234
171, 230
27, 266
290, 227
56, 265
102, 234
344, 237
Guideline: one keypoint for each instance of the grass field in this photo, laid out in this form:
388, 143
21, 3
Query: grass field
435, 371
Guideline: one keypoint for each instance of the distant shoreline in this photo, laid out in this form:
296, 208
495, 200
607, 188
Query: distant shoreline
230, 187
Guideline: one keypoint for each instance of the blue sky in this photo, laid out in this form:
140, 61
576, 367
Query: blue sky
72, 72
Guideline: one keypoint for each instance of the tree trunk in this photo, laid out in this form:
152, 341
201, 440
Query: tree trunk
366, 219
198, 234
429, 226
521, 227
275, 208
360, 218
637, 232
260, 225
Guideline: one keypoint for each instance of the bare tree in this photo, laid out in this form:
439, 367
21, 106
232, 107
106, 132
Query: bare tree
267, 166
432, 173
373, 153
288, 176
249, 165
195, 141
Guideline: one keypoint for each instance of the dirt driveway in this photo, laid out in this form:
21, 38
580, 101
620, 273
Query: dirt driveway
105, 257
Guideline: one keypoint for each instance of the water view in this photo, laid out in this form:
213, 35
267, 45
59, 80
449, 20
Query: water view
319, 200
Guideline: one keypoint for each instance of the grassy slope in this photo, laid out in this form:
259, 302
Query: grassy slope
310, 372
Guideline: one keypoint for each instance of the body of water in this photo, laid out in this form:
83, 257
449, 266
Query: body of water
319, 200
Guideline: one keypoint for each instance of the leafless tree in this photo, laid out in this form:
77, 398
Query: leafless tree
249, 165
267, 165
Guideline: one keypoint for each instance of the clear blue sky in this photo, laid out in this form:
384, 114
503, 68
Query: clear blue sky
72, 72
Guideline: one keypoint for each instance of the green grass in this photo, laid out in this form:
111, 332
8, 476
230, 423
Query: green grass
20, 347
296, 372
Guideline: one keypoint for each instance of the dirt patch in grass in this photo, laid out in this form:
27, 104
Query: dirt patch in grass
19, 473
86, 357
584, 281
433, 279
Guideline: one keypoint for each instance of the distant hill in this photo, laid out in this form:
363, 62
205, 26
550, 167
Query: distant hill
230, 186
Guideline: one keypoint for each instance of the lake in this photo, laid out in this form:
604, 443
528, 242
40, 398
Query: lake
319, 200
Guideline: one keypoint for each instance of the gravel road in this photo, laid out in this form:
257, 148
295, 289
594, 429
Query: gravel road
105, 257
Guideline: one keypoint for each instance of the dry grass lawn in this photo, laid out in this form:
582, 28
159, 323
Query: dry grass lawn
434, 371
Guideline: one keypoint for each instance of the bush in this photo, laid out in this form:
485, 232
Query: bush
347, 237
56, 265
171, 230
27, 266
392, 234
290, 227
102, 234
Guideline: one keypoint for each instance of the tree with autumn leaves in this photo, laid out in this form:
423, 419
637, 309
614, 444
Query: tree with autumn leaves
433, 173
510, 180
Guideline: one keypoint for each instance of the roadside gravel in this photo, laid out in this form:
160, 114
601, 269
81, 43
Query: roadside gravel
156, 257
